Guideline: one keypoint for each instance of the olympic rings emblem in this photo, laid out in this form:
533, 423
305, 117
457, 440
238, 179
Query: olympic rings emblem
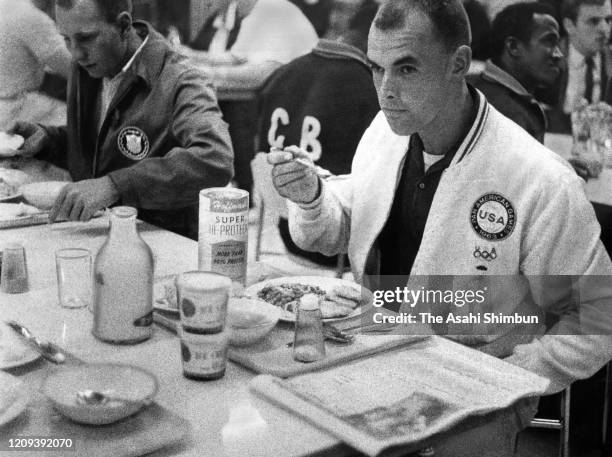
484, 254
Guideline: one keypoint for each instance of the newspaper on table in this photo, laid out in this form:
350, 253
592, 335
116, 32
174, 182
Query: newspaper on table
403, 396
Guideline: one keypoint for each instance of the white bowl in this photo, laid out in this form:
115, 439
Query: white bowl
124, 381
42, 194
250, 320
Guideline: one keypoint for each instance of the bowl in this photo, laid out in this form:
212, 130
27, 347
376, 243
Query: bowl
42, 194
250, 320
125, 381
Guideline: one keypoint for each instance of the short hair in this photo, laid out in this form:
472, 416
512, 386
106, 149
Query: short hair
515, 21
570, 8
110, 9
447, 16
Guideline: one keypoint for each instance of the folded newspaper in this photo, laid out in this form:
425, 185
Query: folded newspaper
402, 396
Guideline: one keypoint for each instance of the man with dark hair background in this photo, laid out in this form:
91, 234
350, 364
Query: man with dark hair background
143, 129
322, 101
526, 55
427, 176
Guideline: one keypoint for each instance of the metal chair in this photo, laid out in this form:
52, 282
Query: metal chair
272, 206
562, 423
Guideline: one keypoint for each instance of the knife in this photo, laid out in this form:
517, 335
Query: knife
48, 350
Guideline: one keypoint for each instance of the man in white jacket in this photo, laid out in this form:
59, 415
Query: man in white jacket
443, 184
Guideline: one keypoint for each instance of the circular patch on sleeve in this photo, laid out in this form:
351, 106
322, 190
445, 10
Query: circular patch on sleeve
133, 143
493, 217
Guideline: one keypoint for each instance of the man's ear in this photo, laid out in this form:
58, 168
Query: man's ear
462, 60
513, 46
124, 22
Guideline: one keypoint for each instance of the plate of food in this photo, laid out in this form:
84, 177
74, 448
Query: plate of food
10, 181
338, 298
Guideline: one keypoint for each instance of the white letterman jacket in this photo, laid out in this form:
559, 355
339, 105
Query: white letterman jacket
542, 224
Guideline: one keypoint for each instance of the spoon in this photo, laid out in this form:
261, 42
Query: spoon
94, 398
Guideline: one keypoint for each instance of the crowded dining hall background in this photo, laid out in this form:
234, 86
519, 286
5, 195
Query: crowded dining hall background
306, 227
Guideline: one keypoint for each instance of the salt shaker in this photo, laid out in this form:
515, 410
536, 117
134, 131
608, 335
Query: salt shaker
308, 342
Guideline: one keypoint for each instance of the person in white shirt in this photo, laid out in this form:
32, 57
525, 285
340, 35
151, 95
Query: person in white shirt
589, 66
492, 207
29, 42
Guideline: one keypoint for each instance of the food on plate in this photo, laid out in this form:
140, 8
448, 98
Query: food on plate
341, 301
9, 143
281, 294
10, 211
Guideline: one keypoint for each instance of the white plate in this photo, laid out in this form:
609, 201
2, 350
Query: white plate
325, 283
14, 352
19, 398
160, 301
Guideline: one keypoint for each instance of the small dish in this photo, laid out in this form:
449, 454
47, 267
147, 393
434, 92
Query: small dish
249, 321
125, 381
42, 194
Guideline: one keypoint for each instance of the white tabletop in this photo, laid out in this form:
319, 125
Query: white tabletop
226, 419
598, 190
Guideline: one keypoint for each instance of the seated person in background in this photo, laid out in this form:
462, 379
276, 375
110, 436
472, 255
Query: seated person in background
256, 31
143, 128
526, 55
589, 63
323, 102
29, 42
439, 178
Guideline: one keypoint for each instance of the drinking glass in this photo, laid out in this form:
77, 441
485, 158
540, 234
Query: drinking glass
74, 282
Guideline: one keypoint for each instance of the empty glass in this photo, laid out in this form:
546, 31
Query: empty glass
74, 282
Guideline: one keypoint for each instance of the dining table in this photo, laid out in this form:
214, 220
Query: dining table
221, 417
225, 419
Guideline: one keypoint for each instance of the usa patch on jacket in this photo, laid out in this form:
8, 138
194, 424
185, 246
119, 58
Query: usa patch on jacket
493, 217
133, 143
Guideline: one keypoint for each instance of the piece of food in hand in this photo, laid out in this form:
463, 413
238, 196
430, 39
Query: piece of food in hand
9, 144
331, 309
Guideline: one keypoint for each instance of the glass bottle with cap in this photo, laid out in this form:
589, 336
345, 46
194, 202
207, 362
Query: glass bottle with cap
308, 342
123, 282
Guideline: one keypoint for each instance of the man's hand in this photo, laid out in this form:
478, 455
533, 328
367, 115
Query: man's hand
78, 201
294, 174
36, 138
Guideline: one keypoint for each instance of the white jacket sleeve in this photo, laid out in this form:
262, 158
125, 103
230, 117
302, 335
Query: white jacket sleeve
580, 343
324, 225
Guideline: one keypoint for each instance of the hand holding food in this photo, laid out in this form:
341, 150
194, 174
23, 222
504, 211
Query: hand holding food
35, 137
294, 174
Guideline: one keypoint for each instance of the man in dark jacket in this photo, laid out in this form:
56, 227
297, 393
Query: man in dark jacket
526, 55
322, 101
144, 128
